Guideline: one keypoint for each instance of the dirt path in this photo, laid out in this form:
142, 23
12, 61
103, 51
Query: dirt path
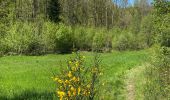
132, 77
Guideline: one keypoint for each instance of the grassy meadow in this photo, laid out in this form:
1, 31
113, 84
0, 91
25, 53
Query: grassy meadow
29, 77
130, 37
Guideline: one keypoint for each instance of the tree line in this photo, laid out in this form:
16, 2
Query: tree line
50, 25
97, 13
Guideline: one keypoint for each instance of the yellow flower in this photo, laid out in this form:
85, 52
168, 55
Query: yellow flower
69, 93
67, 82
56, 79
79, 90
94, 70
74, 78
60, 81
69, 74
61, 94
74, 92
78, 79
88, 86
70, 62
85, 92
72, 89
77, 63
74, 68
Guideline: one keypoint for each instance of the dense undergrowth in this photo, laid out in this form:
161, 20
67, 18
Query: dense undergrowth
32, 39
158, 74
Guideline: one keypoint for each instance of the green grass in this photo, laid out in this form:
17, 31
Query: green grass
29, 77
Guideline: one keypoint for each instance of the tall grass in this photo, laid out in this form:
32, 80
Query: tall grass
29, 77
158, 77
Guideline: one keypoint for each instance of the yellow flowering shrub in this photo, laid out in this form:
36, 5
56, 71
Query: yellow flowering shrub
77, 82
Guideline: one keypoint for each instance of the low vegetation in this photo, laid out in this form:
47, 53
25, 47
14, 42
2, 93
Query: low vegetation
32, 79
37, 36
59, 38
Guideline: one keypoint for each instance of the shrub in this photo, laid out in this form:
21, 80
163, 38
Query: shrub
120, 42
35, 47
80, 38
99, 40
147, 30
22, 38
157, 84
77, 81
49, 36
128, 41
31, 39
64, 39
163, 30
83, 38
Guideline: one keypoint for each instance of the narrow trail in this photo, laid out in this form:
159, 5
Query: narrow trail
132, 77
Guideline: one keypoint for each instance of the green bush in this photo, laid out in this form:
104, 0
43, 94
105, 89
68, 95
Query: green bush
22, 38
157, 84
89, 38
49, 36
83, 38
99, 40
31, 39
80, 38
64, 39
78, 81
163, 28
147, 30
125, 41
128, 41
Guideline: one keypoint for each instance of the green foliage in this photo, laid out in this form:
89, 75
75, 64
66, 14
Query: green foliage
147, 30
92, 39
99, 40
136, 21
157, 84
78, 81
128, 41
64, 39
33, 74
6, 15
162, 22
83, 38
48, 36
162, 7
54, 10
22, 39
163, 27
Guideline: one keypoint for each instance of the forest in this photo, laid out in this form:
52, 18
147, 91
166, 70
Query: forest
122, 46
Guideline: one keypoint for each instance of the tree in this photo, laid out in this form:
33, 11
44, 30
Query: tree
6, 15
54, 10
